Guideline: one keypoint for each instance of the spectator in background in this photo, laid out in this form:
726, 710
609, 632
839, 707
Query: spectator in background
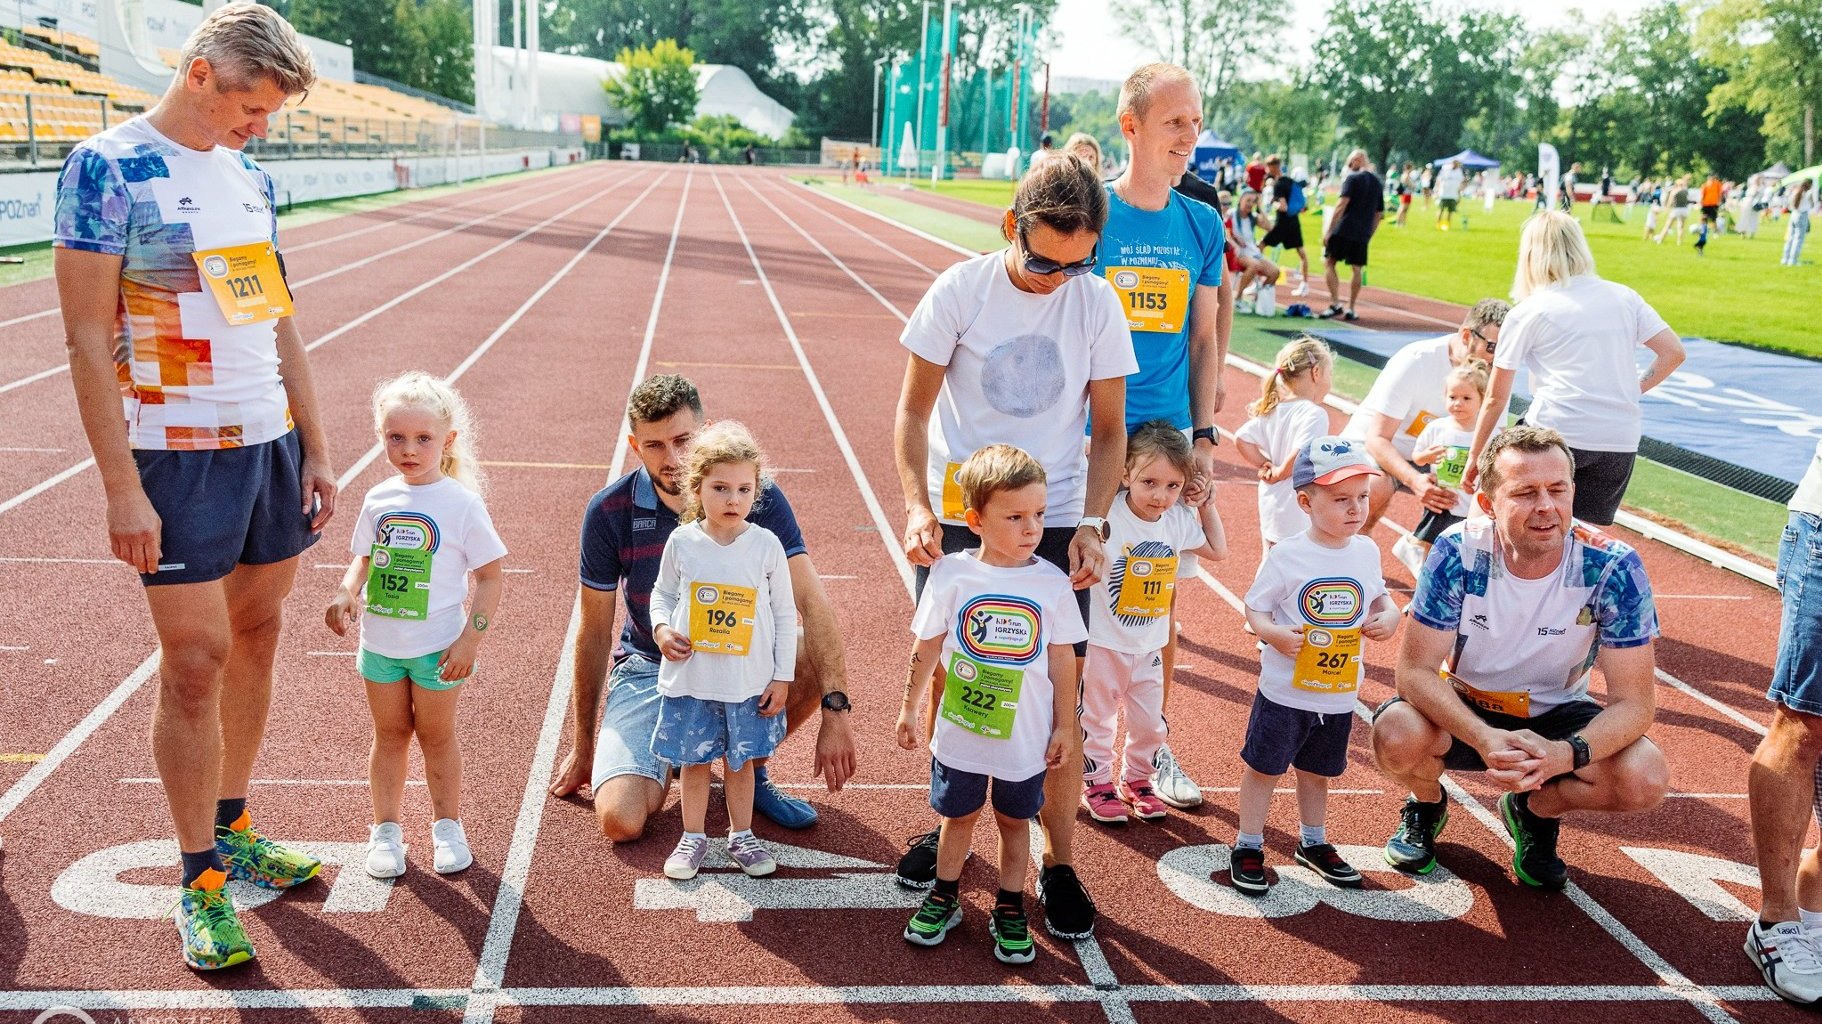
1402, 187
1577, 335
1357, 216
1677, 212
1448, 194
1083, 147
1801, 202
1255, 173
1288, 198
1712, 193
1570, 180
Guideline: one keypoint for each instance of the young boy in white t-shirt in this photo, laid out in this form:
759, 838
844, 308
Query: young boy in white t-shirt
1315, 596
1001, 623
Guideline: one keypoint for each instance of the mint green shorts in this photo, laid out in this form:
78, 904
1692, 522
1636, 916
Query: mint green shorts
378, 668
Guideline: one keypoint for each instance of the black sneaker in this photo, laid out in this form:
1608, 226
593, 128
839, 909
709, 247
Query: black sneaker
935, 916
1326, 861
1332, 312
1247, 871
1412, 849
1534, 857
1011, 932
1068, 912
917, 868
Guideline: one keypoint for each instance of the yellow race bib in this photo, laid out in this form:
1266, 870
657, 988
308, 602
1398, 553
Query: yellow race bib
952, 493
721, 618
1516, 703
1329, 661
1154, 298
1146, 588
246, 283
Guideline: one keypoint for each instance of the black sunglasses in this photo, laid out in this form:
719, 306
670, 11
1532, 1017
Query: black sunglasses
1042, 266
1491, 345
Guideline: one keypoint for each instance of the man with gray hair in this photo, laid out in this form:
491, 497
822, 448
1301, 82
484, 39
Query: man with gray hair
217, 476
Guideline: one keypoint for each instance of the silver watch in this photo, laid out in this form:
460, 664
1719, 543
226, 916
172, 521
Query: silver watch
1095, 523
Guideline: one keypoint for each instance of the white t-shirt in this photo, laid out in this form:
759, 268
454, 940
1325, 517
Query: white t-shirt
1458, 440
1808, 497
735, 605
998, 626
1289, 426
1327, 591
1129, 610
1018, 371
447, 522
1580, 341
1448, 183
1411, 389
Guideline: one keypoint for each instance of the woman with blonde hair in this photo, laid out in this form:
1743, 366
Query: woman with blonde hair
1578, 335
1086, 148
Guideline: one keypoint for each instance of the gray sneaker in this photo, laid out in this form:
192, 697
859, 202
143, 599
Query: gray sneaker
750, 855
1170, 784
686, 859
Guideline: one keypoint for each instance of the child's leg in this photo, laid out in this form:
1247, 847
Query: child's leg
737, 786
433, 714
694, 780
1145, 730
1015, 851
1313, 807
956, 834
1255, 801
1102, 680
386, 762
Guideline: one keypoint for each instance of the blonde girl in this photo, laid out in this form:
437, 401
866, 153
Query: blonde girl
724, 618
420, 535
1288, 415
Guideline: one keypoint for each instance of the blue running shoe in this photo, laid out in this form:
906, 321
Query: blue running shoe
780, 809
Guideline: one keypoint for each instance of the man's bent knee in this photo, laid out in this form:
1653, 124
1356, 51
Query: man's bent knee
1403, 738
1641, 778
190, 673
1795, 732
624, 804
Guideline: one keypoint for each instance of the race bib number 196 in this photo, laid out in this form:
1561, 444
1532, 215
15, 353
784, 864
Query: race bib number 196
721, 618
983, 699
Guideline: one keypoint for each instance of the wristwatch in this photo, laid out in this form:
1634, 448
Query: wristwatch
1095, 523
1582, 753
836, 700
1209, 434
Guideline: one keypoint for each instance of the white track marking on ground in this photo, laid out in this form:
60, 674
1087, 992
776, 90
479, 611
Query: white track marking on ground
903, 317
34, 378
1733, 713
1701, 597
332, 654
149, 781
96, 718
503, 922
886, 533
890, 250
55, 451
46, 485
882, 218
23, 560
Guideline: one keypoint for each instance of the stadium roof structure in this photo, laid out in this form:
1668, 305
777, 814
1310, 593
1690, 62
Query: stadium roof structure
570, 84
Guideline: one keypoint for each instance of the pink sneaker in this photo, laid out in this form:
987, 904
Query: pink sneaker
1103, 804
686, 859
1146, 805
750, 855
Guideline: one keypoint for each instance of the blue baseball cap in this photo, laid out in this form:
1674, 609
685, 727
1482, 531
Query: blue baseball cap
1330, 460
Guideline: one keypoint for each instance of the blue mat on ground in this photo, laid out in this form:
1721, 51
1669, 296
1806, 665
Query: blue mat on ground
1732, 414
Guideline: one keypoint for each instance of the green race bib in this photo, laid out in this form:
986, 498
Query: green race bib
1451, 466
398, 583
983, 699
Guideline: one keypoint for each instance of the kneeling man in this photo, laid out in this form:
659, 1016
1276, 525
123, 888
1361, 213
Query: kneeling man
1509, 615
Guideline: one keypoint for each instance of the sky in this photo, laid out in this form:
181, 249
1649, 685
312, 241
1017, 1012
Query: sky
1089, 43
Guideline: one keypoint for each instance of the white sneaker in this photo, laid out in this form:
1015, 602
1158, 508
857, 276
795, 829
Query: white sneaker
452, 854
1410, 553
1303, 288
386, 850
1787, 956
1170, 784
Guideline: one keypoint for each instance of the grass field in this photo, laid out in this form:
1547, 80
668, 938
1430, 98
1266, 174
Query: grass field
1736, 292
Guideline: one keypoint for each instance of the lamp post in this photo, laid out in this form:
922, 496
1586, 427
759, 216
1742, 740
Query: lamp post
877, 66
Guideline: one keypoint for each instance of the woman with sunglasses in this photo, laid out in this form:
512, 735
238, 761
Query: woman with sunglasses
1028, 347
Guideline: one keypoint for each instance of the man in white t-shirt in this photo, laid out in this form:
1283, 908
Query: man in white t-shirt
1448, 193
1508, 617
1408, 394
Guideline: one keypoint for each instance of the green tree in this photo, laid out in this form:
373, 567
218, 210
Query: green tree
657, 86
1771, 52
744, 33
427, 44
1209, 38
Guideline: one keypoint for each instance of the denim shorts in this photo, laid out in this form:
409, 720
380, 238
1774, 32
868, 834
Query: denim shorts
1796, 682
693, 731
955, 793
624, 744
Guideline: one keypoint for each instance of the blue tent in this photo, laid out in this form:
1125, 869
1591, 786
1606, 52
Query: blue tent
1470, 161
1211, 148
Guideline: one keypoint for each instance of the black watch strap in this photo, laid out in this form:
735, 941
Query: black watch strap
1582, 754
836, 700
1210, 434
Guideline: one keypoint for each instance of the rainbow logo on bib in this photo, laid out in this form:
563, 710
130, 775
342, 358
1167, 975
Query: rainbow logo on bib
413, 531
999, 627
1333, 601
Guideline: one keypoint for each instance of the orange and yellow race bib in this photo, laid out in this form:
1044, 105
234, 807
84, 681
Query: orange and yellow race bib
952, 494
1422, 420
1146, 589
1516, 703
1329, 661
246, 282
721, 618
1154, 298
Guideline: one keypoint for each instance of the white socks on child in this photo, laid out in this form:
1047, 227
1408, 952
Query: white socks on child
736, 835
1313, 835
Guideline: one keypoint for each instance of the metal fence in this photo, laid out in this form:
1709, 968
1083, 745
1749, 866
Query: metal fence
40, 128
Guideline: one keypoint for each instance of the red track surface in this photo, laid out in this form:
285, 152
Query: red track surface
598, 934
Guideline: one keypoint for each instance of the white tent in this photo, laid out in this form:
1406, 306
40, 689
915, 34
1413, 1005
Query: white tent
568, 84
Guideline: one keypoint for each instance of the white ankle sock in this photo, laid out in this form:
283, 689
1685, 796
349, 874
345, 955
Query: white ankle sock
1313, 835
1810, 918
734, 835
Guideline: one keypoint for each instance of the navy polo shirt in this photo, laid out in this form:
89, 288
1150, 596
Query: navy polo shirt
623, 536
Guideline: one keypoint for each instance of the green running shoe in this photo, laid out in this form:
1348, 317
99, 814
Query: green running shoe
251, 857
933, 919
1011, 936
212, 935
1534, 857
1412, 849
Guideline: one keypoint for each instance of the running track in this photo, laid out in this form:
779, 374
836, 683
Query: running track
548, 298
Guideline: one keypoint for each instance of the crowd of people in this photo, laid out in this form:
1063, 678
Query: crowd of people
1056, 447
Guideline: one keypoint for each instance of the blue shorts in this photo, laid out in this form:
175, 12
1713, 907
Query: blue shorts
624, 744
955, 793
1279, 737
1796, 682
694, 731
225, 507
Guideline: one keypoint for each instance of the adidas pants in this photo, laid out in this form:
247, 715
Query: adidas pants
1110, 679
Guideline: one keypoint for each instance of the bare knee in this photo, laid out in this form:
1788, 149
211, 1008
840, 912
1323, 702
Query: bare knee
436, 742
1792, 735
189, 672
1642, 780
393, 735
624, 805
1403, 739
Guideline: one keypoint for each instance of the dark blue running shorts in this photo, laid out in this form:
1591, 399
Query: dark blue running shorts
225, 507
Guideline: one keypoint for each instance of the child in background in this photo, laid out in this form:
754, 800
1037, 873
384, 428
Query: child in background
1315, 596
1444, 445
419, 536
1002, 623
1129, 620
725, 619
1288, 415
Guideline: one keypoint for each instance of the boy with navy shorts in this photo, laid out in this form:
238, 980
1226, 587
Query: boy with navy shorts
1316, 595
1002, 623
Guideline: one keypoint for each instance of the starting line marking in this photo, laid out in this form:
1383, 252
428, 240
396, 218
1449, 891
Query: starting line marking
21, 758
733, 366
145, 781
544, 465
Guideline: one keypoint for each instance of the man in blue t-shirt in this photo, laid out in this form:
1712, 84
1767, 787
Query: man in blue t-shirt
623, 534
1163, 253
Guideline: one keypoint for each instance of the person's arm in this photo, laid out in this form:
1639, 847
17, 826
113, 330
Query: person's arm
1207, 360
1341, 206
458, 661
593, 644
1106, 462
836, 755
1492, 412
1422, 685
345, 607
88, 289
924, 655
1214, 533
783, 604
1669, 354
300, 391
1631, 675
667, 594
1382, 618
911, 447
1063, 704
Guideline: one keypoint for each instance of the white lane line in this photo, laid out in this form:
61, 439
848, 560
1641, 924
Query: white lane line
95, 719
13, 647
503, 922
20, 499
882, 218
886, 534
23, 560
1701, 597
1733, 713
332, 654
150, 781
34, 378
890, 249
57, 451
856, 278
